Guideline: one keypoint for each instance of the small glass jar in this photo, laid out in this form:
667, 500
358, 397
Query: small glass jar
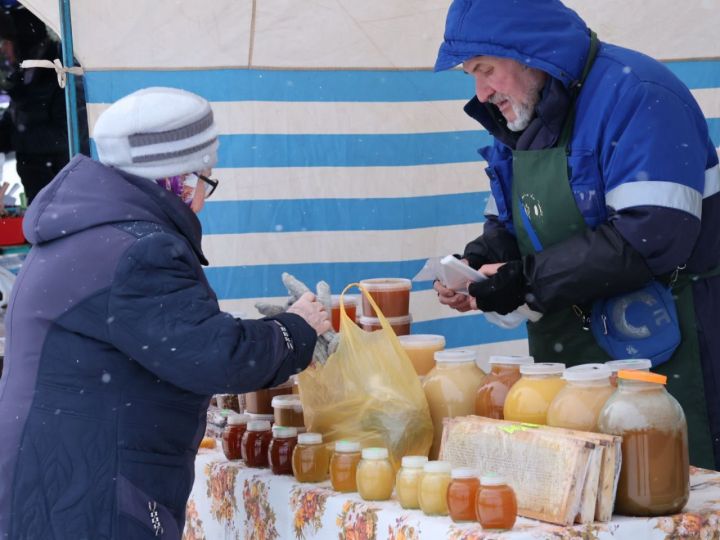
255, 443
496, 506
655, 471
578, 404
343, 466
281, 449
375, 475
634, 364
504, 372
530, 397
462, 494
434, 483
450, 389
232, 436
407, 481
421, 349
310, 459
288, 411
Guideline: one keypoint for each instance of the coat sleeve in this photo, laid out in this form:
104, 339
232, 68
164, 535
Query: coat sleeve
163, 314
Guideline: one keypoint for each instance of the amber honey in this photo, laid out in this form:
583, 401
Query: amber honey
255, 443
400, 325
504, 373
421, 349
281, 449
343, 466
350, 308
232, 436
496, 506
310, 460
392, 296
462, 494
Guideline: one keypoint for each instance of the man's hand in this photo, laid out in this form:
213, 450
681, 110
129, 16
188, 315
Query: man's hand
448, 297
314, 313
504, 291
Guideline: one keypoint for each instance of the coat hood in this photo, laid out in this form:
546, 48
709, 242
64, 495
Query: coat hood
88, 194
543, 34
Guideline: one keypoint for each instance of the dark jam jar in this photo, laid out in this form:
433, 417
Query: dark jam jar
232, 436
255, 443
281, 449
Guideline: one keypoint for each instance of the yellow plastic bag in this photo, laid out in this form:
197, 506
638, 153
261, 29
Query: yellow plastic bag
368, 391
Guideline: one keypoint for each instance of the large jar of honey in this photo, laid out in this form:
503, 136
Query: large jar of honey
343, 466
655, 475
578, 404
496, 503
311, 459
462, 494
434, 483
504, 372
375, 475
635, 364
281, 449
232, 436
392, 296
421, 349
407, 481
255, 443
530, 397
450, 389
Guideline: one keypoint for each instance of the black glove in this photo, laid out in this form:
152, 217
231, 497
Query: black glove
496, 245
504, 292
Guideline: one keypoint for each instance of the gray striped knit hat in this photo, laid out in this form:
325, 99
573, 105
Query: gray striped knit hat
156, 133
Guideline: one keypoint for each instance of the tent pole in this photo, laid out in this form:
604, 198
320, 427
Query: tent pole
70, 89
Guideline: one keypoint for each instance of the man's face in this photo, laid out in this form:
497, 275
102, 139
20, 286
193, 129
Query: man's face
511, 86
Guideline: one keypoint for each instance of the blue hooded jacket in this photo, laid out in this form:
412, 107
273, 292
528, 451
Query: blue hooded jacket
115, 345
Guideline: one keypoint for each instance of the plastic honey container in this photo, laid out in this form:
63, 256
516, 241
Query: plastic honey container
392, 295
496, 503
343, 466
462, 494
310, 459
504, 373
351, 303
288, 411
636, 364
407, 481
421, 349
578, 404
400, 325
450, 389
375, 475
434, 483
530, 397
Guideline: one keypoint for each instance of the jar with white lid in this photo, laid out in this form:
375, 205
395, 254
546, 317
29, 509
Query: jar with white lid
635, 364
462, 494
450, 389
375, 475
343, 466
530, 397
578, 404
434, 483
408, 479
311, 458
504, 373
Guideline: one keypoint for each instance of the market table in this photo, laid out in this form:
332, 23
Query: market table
231, 501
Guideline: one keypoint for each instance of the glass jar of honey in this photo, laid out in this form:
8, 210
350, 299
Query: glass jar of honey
232, 436
655, 473
462, 494
434, 483
450, 389
496, 506
343, 466
375, 475
350, 301
310, 459
407, 481
281, 449
392, 296
504, 372
530, 397
578, 404
288, 411
636, 364
255, 443
421, 349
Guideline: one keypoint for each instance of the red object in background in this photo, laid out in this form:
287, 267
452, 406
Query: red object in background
11, 233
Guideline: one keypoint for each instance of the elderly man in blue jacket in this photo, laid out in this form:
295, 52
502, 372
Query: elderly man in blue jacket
115, 339
604, 183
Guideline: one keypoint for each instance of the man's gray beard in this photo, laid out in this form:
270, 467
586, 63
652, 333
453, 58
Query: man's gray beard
524, 113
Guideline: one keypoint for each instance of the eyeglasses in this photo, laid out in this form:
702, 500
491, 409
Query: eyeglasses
210, 184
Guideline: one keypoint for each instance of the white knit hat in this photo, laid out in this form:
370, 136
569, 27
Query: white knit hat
157, 132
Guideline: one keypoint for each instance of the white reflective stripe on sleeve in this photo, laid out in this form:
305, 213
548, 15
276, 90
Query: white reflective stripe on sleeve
655, 193
712, 181
491, 208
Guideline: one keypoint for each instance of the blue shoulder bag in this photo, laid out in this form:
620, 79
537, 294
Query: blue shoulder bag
640, 324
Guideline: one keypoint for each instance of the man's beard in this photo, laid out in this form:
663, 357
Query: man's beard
524, 111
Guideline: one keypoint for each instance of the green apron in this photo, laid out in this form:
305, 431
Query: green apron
542, 198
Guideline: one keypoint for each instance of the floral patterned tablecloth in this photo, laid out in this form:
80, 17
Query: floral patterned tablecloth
230, 501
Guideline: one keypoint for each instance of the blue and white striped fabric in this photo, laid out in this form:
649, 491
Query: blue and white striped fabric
346, 175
